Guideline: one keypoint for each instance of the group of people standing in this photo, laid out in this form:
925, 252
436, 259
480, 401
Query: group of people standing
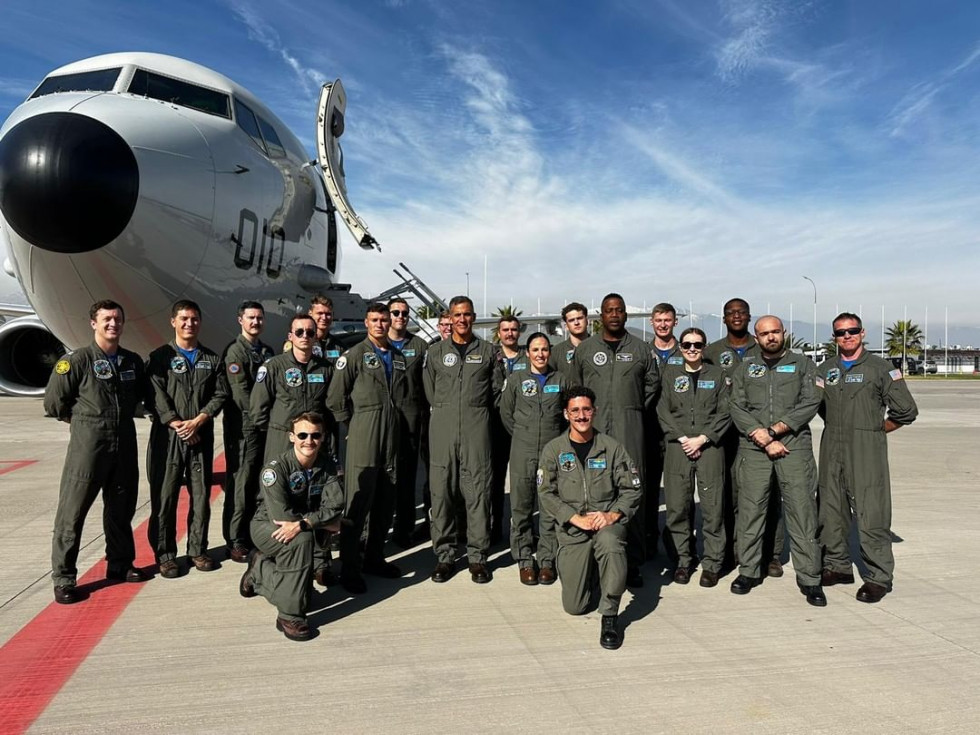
323, 444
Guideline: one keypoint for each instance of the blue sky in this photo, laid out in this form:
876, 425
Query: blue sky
679, 151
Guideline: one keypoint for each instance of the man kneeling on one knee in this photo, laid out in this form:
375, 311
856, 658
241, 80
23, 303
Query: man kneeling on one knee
590, 485
300, 497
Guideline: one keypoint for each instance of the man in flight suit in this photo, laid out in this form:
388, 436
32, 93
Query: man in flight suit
244, 444
727, 353
462, 379
300, 495
858, 389
189, 389
589, 484
775, 395
362, 394
97, 390
624, 376
325, 346
287, 385
413, 414
576, 319
514, 358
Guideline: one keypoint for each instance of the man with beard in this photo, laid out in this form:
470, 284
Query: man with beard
244, 443
413, 413
623, 374
727, 353
462, 379
858, 389
576, 318
514, 358
775, 395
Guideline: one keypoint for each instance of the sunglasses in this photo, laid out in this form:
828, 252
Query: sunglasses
398, 312
692, 345
305, 332
315, 436
736, 312
853, 331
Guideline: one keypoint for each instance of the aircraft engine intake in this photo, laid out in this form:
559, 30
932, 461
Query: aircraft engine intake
68, 183
28, 352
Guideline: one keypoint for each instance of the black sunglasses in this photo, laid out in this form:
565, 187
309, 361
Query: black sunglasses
305, 332
315, 436
853, 331
692, 345
398, 312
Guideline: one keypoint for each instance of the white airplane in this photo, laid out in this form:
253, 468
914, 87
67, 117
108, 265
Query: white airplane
146, 178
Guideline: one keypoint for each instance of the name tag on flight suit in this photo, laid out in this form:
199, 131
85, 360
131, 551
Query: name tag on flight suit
474, 359
596, 464
552, 389
314, 378
786, 369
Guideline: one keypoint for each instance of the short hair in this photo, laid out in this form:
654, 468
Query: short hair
311, 416
396, 300
664, 308
848, 316
184, 305
321, 300
246, 305
457, 300
508, 318
108, 305
376, 308
574, 306
537, 335
300, 317
611, 296
736, 301
694, 330
444, 315
577, 391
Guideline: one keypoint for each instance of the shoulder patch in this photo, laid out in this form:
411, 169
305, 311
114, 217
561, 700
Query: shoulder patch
234, 368
895, 374
260, 375
539, 477
341, 362
62, 367
269, 477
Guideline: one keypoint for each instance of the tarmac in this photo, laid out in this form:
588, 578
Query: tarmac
410, 656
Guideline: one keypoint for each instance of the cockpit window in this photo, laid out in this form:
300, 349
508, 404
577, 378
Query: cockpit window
272, 139
246, 121
158, 87
102, 80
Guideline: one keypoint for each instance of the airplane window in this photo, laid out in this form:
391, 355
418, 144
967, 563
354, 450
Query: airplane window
185, 94
272, 139
102, 80
246, 121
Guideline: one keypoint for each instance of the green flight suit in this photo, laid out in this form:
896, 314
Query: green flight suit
182, 391
532, 414
328, 349
764, 395
285, 387
656, 449
625, 381
244, 443
609, 481
361, 396
284, 575
723, 355
500, 447
691, 405
854, 475
462, 390
413, 416
99, 399
563, 360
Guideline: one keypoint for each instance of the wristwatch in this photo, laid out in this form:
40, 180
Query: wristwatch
771, 432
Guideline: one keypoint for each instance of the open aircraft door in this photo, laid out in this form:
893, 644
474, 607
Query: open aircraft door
329, 128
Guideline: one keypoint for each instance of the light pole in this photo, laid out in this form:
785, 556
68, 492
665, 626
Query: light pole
467, 283
814, 317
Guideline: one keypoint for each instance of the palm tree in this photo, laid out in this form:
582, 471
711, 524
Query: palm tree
830, 348
501, 312
903, 338
425, 312
797, 343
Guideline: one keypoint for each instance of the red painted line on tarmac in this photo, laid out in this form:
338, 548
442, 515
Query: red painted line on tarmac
42, 656
15, 464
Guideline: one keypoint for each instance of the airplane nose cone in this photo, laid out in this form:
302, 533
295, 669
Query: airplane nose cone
68, 183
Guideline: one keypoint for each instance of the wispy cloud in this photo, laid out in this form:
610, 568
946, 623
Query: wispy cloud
919, 99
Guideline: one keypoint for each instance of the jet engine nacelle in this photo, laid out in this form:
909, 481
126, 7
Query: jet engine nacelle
28, 352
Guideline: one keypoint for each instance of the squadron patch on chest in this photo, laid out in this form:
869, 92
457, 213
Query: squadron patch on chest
178, 365
529, 388
569, 354
756, 370
297, 482
103, 369
450, 359
600, 358
293, 377
833, 376
726, 358
371, 361
682, 384
566, 461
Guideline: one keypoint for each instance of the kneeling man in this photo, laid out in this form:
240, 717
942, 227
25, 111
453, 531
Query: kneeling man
590, 485
300, 494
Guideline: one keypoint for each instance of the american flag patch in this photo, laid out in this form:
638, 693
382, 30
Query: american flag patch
820, 382
896, 374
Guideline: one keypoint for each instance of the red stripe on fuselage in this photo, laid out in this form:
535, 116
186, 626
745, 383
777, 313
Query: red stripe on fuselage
42, 656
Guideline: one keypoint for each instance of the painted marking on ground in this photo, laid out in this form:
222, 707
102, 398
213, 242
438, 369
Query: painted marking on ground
42, 656
12, 465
